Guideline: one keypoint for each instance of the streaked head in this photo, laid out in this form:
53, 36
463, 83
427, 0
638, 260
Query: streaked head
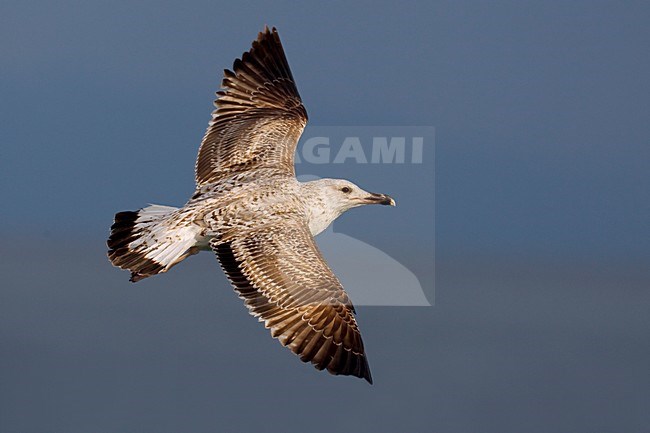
350, 195
343, 194
329, 198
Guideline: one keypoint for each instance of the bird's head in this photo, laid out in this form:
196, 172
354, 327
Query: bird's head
329, 198
343, 194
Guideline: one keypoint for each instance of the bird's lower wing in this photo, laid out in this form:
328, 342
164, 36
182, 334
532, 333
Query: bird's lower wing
284, 281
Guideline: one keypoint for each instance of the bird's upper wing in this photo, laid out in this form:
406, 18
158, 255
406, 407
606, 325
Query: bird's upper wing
259, 116
280, 274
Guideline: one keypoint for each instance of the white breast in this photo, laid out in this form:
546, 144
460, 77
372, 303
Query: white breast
319, 220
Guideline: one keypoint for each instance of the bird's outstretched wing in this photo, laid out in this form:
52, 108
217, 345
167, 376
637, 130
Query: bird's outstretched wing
282, 277
259, 116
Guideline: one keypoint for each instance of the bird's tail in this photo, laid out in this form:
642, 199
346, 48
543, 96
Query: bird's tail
150, 241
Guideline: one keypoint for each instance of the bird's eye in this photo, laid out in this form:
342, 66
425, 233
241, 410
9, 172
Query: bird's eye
346, 189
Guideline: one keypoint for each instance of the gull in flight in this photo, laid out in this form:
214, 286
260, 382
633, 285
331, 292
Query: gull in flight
259, 220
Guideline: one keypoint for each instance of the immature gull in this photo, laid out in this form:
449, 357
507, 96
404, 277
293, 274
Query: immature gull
250, 209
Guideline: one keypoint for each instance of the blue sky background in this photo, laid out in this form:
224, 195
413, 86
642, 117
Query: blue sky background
541, 215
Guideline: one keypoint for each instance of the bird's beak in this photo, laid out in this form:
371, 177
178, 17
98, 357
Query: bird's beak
379, 199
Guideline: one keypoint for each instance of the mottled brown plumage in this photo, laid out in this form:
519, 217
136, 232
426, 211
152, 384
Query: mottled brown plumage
259, 116
284, 281
260, 221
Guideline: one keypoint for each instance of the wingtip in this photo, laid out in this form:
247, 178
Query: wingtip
366, 371
265, 32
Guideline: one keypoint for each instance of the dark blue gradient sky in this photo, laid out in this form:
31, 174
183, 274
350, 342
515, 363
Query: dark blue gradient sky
542, 211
